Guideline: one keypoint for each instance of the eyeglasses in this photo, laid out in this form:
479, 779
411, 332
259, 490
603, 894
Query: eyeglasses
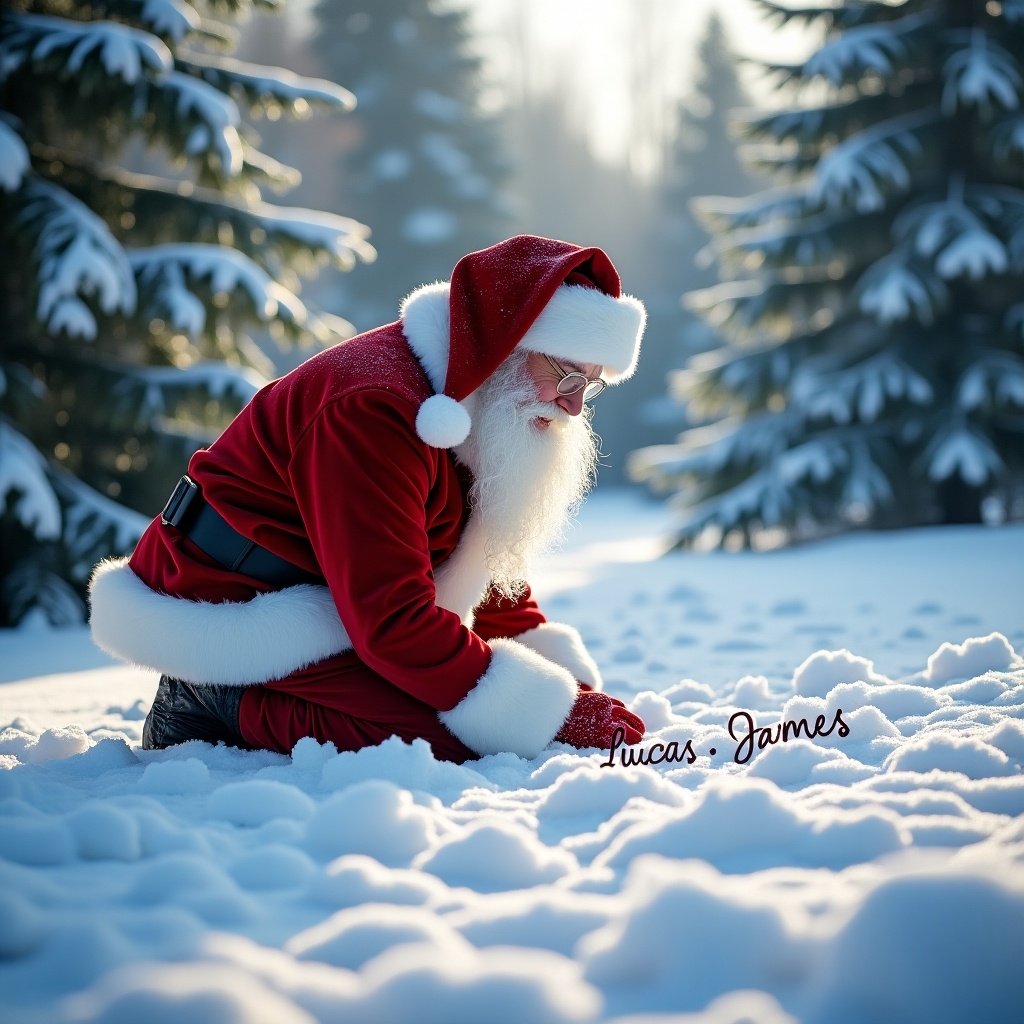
574, 380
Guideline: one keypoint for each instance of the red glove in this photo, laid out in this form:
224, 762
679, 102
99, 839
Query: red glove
594, 718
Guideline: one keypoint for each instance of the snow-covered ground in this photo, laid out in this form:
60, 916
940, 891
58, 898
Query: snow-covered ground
873, 874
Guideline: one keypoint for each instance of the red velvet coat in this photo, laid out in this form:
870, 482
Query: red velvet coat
324, 468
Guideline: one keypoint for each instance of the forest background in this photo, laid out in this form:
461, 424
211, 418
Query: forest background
822, 208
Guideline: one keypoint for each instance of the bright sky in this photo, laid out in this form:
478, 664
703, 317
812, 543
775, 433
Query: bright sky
621, 62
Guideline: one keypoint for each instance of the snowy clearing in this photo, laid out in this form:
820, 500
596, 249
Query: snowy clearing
873, 873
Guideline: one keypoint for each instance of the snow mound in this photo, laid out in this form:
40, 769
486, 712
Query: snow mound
952, 662
825, 669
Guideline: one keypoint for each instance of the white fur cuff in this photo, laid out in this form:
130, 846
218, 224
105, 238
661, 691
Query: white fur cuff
563, 645
517, 705
232, 644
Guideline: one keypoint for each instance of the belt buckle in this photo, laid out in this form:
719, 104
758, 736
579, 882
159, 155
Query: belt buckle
177, 505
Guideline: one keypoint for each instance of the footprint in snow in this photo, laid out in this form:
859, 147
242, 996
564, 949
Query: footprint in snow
793, 606
738, 645
701, 615
628, 653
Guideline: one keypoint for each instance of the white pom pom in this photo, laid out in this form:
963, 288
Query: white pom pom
442, 422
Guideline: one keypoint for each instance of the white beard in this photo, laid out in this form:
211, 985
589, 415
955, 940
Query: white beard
528, 482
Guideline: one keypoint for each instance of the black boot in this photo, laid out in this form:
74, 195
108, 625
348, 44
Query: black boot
189, 711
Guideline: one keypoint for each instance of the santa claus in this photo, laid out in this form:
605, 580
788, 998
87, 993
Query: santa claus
349, 559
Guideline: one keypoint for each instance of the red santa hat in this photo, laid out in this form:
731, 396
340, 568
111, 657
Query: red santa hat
539, 294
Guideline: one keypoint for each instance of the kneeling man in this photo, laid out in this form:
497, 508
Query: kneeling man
349, 560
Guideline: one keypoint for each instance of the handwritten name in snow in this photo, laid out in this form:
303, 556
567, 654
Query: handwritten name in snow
742, 728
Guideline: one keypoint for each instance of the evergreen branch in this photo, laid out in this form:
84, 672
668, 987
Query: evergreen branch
259, 166
265, 88
170, 276
151, 392
981, 74
276, 237
65, 48
23, 471
171, 20
837, 16
820, 126
875, 49
720, 214
14, 160
872, 163
205, 121
898, 288
830, 242
74, 256
94, 526
994, 380
780, 306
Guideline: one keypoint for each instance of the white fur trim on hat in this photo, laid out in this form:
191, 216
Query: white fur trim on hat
586, 325
425, 324
517, 705
563, 645
231, 643
442, 422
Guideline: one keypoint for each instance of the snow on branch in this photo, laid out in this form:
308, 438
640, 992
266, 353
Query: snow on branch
980, 74
172, 19
23, 469
863, 389
763, 496
865, 49
214, 118
892, 289
778, 305
344, 238
257, 164
152, 390
993, 379
93, 523
168, 275
76, 256
866, 486
788, 202
118, 50
819, 240
169, 19
14, 162
864, 167
961, 450
953, 234
263, 86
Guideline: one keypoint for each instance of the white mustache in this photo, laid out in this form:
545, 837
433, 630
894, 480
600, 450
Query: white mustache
546, 410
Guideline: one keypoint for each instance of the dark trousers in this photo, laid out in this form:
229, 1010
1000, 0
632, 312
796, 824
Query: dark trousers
185, 711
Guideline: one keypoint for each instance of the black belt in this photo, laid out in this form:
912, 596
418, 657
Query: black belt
187, 510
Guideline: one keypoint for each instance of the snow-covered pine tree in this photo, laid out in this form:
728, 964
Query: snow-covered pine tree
874, 371
124, 293
422, 163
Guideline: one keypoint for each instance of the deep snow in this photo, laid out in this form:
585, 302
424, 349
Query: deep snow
875, 876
